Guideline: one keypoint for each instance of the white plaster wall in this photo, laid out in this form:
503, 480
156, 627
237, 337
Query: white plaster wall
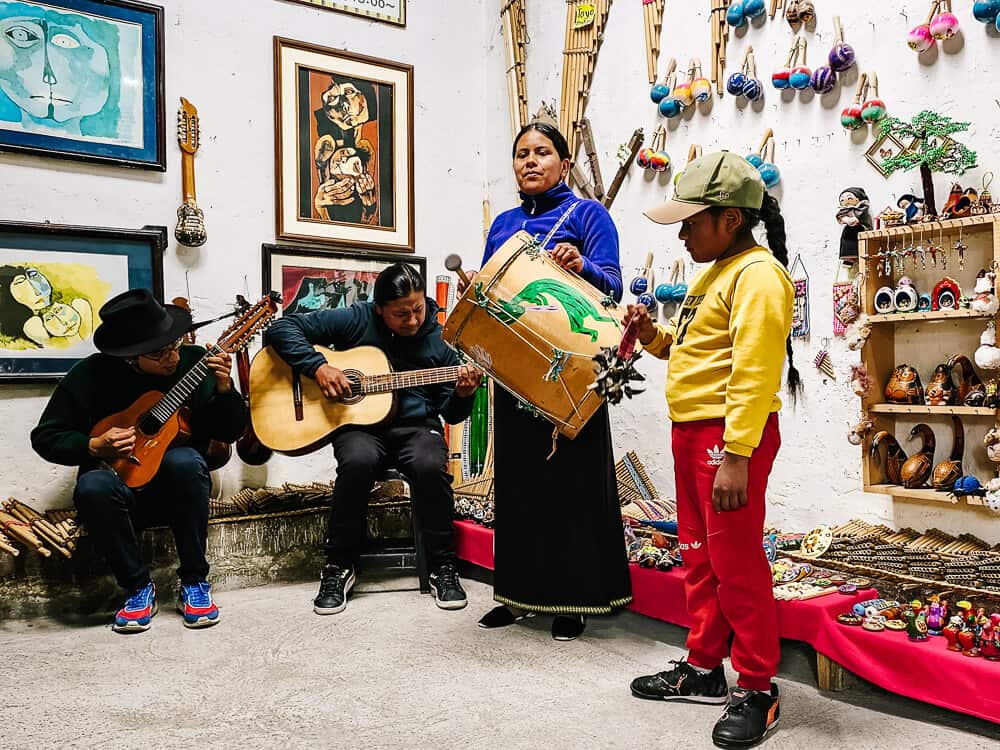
219, 55
817, 477
462, 144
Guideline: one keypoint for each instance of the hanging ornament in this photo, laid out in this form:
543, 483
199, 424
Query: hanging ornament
920, 38
873, 109
945, 24
823, 362
661, 91
754, 9
850, 118
800, 76
800, 305
842, 56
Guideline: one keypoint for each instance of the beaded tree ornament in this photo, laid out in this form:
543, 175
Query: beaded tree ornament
842, 57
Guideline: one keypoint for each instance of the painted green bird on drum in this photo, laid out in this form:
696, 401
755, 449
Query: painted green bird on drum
578, 308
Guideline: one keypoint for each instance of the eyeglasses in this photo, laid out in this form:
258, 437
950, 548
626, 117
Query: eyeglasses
161, 354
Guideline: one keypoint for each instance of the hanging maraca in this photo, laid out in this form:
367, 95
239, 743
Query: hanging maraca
756, 158
842, 56
701, 87
654, 157
682, 91
753, 9
873, 110
779, 79
675, 289
670, 106
769, 171
945, 24
694, 152
986, 11
800, 76
744, 82
850, 118
642, 284
661, 91
920, 37
736, 15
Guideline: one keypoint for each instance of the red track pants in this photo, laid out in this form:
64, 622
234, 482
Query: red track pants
728, 579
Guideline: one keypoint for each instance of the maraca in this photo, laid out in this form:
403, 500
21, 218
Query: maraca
744, 82
670, 105
661, 91
756, 158
944, 25
701, 87
753, 8
986, 11
823, 80
753, 89
649, 301
920, 38
736, 82
769, 172
873, 109
807, 12
640, 282
779, 79
850, 118
842, 55
735, 14
644, 156
800, 75
683, 93
659, 161
694, 152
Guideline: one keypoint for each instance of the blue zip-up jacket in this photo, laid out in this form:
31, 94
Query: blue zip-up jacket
343, 328
589, 228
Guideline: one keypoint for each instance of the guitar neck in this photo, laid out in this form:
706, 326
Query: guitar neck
177, 396
187, 177
394, 381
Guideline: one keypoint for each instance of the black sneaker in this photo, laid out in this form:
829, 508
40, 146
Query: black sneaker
748, 718
334, 587
447, 589
683, 683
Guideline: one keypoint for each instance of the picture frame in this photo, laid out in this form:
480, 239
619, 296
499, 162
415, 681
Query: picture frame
387, 11
343, 148
115, 113
312, 278
53, 281
884, 147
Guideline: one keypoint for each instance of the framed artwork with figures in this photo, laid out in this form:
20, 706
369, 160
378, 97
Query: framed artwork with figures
343, 147
82, 79
311, 279
54, 279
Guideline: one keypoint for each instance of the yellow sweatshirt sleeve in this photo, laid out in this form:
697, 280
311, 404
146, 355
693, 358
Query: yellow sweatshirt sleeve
759, 323
659, 347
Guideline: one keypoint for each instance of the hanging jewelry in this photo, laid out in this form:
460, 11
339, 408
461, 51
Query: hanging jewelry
961, 247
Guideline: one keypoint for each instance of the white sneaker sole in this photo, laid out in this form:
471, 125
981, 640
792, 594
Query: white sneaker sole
334, 610
134, 627
201, 622
458, 604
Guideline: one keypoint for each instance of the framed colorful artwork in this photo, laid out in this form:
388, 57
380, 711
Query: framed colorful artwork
312, 279
82, 79
54, 280
343, 147
389, 11
884, 147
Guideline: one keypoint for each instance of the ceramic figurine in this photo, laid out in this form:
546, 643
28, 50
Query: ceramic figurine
904, 386
842, 56
917, 468
913, 207
989, 639
985, 300
951, 631
941, 389
894, 458
905, 297
857, 434
967, 640
947, 472
946, 294
971, 391
916, 625
936, 616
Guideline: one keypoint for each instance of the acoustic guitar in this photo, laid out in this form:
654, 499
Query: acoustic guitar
290, 414
190, 229
160, 420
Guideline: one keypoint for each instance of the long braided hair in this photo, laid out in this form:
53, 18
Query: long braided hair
774, 227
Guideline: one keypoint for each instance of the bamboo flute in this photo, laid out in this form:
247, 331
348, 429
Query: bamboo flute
21, 531
564, 99
511, 68
6, 546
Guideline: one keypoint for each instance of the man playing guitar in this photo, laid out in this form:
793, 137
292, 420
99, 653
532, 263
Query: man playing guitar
402, 322
140, 349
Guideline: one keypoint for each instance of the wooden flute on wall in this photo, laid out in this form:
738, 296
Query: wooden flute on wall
190, 229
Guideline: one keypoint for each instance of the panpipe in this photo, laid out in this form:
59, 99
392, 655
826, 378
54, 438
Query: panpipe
585, 23
652, 14
515, 35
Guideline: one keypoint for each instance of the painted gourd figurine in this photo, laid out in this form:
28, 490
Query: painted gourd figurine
894, 457
904, 386
951, 632
916, 625
918, 467
941, 389
947, 472
971, 390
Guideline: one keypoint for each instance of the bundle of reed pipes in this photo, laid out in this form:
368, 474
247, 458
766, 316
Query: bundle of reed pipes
652, 13
720, 35
515, 36
7, 546
585, 23
20, 531
44, 530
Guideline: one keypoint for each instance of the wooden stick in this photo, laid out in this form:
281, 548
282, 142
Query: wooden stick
7, 547
594, 162
633, 148
768, 135
838, 31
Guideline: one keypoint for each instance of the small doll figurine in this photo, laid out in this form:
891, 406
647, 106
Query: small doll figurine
989, 639
935, 616
916, 623
912, 208
987, 356
853, 214
951, 632
985, 300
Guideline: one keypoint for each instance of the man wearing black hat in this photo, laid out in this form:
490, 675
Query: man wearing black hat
139, 341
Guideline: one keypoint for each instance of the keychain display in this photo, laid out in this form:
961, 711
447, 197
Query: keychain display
800, 305
873, 110
654, 156
850, 118
661, 91
744, 82
842, 57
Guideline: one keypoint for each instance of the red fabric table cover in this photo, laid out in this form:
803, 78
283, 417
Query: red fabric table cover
925, 671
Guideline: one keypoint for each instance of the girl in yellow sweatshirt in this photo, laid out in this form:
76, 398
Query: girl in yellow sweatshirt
727, 350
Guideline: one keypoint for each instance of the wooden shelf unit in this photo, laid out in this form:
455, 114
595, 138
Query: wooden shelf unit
891, 343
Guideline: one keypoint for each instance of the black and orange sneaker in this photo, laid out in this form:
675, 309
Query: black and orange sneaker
683, 683
750, 715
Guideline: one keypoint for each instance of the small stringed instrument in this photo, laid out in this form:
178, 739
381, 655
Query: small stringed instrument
291, 415
157, 417
248, 446
190, 229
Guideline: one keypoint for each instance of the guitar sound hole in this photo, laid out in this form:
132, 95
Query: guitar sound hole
149, 425
356, 393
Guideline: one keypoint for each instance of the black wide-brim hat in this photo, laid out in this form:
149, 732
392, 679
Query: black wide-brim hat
134, 323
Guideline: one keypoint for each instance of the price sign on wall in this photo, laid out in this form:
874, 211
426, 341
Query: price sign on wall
390, 11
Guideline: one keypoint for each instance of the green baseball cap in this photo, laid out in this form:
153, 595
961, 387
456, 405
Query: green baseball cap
719, 179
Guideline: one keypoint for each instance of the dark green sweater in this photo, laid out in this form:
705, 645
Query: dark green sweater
99, 386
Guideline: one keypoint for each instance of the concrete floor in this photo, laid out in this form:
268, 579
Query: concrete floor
393, 671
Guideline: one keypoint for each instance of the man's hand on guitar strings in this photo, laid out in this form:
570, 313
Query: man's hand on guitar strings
469, 378
221, 366
333, 382
116, 442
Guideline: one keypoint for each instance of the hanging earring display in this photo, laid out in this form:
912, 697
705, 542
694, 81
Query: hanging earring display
801, 76
945, 24
920, 37
701, 87
850, 118
873, 110
842, 56
800, 307
661, 91
780, 77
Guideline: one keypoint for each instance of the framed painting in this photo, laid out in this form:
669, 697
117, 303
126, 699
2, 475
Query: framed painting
82, 79
343, 147
884, 147
311, 279
54, 280
389, 11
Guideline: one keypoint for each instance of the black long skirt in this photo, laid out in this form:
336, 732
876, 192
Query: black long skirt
559, 545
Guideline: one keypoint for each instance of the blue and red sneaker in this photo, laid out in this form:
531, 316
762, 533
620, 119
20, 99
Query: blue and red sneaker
137, 612
197, 605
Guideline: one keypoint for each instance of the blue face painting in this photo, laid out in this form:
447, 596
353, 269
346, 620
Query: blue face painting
32, 289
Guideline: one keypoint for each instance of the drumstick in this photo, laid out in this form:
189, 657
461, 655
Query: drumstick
454, 264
